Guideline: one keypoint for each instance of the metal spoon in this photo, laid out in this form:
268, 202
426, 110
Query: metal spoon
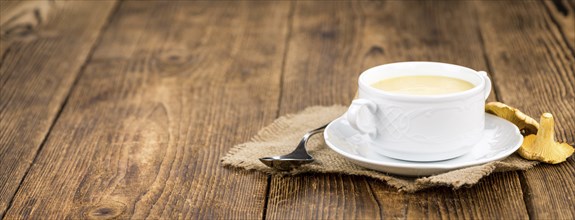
294, 159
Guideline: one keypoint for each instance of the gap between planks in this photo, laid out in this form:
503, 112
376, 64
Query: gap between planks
280, 94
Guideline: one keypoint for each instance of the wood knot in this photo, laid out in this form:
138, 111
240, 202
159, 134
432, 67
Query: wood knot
172, 57
23, 20
327, 33
173, 61
106, 211
375, 50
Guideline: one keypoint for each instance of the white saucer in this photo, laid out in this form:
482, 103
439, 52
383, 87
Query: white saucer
500, 139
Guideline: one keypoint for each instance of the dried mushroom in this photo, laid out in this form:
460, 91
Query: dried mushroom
526, 124
542, 147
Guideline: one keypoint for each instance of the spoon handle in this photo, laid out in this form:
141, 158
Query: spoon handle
300, 151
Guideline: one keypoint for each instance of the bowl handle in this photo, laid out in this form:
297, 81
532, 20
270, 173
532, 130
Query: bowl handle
487, 83
354, 112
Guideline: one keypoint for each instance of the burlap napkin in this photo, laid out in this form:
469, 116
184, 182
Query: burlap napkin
282, 136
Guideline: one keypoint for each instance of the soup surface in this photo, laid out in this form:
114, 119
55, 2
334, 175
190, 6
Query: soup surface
423, 85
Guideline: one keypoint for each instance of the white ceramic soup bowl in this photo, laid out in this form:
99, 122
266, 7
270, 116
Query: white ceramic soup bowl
420, 127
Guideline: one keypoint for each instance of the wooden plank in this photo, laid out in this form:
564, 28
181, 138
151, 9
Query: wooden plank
489, 199
171, 88
43, 45
535, 71
320, 196
330, 45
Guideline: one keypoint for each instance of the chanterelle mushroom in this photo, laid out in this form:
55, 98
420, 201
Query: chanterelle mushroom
526, 124
542, 147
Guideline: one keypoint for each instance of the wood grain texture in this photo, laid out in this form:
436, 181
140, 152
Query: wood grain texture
534, 69
320, 69
443, 32
171, 88
330, 45
487, 200
321, 196
43, 46
172, 85
562, 14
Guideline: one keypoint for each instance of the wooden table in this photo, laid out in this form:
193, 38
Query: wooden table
124, 108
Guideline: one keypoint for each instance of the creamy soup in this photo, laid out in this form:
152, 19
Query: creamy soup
423, 85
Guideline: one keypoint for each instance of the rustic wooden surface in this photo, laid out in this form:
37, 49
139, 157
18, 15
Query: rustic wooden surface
44, 46
123, 108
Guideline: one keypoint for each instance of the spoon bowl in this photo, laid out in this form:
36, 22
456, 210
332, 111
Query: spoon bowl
285, 164
296, 158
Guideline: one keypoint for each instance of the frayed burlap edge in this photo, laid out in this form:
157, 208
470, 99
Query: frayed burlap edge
284, 133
